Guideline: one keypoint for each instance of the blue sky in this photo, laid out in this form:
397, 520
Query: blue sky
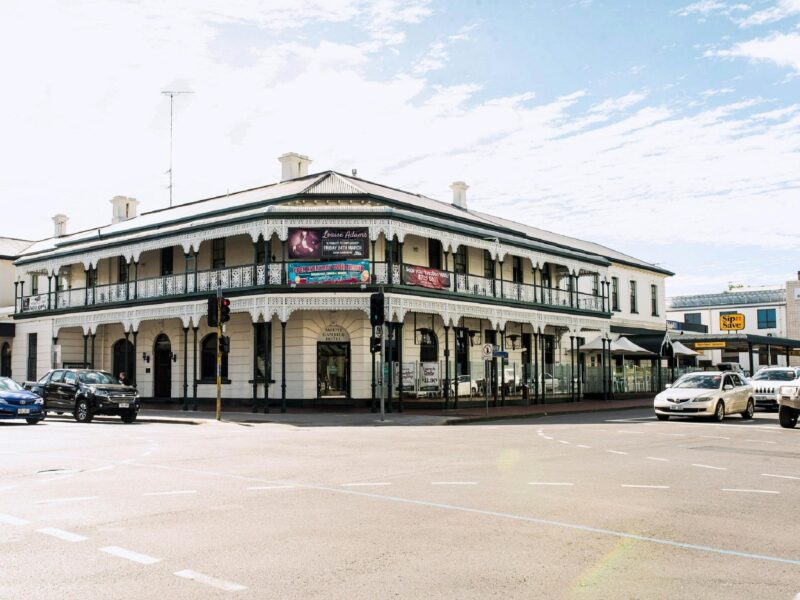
667, 130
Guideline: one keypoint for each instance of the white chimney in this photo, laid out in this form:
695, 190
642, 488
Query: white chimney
293, 165
60, 222
459, 194
124, 208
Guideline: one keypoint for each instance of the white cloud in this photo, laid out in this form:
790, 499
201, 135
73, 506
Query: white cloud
783, 9
622, 103
705, 8
438, 53
710, 93
782, 49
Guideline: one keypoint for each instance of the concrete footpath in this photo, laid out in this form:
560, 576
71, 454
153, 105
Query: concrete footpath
411, 416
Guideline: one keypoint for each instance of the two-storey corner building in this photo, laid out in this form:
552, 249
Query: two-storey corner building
299, 260
10, 249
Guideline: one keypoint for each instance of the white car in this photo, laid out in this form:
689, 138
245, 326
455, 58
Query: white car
706, 394
768, 381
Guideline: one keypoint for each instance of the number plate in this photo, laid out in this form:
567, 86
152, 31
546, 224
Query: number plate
676, 407
124, 405
23, 411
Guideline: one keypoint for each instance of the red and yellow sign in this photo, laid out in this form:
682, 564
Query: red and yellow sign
731, 322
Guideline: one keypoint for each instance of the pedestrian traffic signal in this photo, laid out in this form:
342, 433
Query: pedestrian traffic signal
224, 344
225, 310
376, 312
212, 312
375, 345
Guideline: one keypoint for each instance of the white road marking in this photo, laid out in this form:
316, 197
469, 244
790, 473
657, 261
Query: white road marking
270, 487
549, 483
750, 491
143, 559
8, 487
714, 437
454, 483
547, 437
672, 434
657, 458
701, 466
626, 431
73, 499
9, 520
654, 487
366, 484
761, 441
563, 442
170, 493
616, 452
220, 584
67, 536
583, 446
779, 476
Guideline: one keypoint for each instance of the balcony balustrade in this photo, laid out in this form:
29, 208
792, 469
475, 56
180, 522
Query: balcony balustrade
274, 275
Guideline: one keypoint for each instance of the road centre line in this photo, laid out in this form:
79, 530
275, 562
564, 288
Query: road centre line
489, 513
270, 487
9, 520
549, 483
762, 441
454, 483
657, 458
220, 584
617, 452
143, 559
701, 466
654, 487
73, 499
563, 442
779, 476
583, 446
170, 493
67, 536
714, 437
626, 431
750, 491
366, 484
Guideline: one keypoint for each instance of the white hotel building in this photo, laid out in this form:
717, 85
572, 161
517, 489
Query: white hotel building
299, 260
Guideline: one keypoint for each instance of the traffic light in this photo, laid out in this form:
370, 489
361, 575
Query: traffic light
225, 310
375, 345
212, 312
376, 313
225, 344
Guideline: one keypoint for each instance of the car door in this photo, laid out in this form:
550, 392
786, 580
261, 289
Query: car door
743, 392
51, 390
729, 395
68, 389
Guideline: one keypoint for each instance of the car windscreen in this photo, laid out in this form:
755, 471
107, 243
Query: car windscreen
97, 378
775, 376
9, 385
705, 382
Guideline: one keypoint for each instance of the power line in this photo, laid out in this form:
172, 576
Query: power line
171, 94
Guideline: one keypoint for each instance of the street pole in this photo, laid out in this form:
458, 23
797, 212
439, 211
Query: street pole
219, 354
382, 367
487, 373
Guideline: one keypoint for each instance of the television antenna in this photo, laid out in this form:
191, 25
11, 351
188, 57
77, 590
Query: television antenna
171, 94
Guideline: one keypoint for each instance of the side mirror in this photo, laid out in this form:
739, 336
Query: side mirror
727, 387
669, 385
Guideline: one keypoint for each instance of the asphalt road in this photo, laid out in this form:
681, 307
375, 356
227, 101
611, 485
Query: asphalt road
604, 505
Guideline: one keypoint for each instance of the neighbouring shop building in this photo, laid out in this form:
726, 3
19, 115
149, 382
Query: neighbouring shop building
10, 249
299, 260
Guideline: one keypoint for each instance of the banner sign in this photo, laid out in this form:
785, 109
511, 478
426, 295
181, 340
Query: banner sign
709, 344
329, 243
425, 277
429, 374
731, 322
35, 302
409, 378
346, 271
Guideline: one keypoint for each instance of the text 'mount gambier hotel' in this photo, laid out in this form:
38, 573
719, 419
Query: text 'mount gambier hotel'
299, 260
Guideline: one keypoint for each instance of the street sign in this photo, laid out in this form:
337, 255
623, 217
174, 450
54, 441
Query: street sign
486, 351
731, 322
500, 354
709, 344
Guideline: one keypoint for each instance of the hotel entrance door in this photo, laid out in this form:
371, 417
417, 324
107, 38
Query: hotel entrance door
333, 369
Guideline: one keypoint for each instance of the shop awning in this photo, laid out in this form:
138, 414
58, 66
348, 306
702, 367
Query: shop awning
680, 350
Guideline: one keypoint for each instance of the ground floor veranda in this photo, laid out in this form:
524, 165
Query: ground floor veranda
314, 351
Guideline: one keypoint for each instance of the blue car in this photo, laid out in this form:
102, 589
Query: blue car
18, 403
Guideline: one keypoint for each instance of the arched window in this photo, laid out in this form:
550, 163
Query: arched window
428, 346
5, 360
208, 362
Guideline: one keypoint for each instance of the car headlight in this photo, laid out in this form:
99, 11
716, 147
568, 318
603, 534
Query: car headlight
789, 390
3, 401
101, 393
38, 401
702, 399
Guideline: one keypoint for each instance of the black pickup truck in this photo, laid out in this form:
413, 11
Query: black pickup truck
86, 393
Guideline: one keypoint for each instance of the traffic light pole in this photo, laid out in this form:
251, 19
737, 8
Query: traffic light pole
219, 354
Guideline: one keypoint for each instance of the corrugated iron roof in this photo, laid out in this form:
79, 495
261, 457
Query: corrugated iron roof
728, 299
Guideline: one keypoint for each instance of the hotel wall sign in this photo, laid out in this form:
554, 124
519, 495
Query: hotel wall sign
425, 277
334, 334
731, 322
329, 243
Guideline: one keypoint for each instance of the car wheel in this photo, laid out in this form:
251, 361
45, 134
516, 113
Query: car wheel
129, 416
662, 417
32, 421
83, 413
787, 417
719, 412
748, 412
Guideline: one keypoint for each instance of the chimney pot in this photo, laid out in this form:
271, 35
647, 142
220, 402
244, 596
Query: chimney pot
60, 223
124, 208
293, 165
459, 194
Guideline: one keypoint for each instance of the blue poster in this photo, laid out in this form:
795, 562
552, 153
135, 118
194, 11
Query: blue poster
345, 271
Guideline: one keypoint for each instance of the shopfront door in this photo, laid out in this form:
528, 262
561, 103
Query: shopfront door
333, 369
162, 367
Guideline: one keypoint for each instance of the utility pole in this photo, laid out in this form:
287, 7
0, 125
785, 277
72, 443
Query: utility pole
171, 94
